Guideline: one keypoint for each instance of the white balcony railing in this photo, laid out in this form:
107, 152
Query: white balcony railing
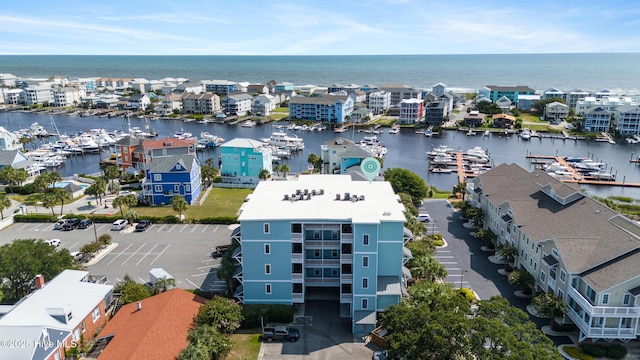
346, 299
346, 258
297, 277
603, 311
322, 281
588, 331
297, 258
297, 298
346, 278
297, 238
347, 238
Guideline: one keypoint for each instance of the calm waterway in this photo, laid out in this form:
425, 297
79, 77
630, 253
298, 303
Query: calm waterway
405, 150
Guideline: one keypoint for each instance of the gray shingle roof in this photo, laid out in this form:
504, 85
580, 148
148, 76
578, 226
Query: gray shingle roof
326, 100
165, 164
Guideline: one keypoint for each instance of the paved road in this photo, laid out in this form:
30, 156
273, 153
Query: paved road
463, 254
184, 251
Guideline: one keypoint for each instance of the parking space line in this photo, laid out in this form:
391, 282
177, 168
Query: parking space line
23, 226
183, 227
216, 229
205, 228
444, 256
190, 282
145, 255
448, 269
194, 228
203, 267
72, 246
35, 227
203, 274
165, 249
174, 225
102, 227
117, 256
135, 252
143, 280
448, 262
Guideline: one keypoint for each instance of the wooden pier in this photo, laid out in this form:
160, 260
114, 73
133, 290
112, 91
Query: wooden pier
578, 178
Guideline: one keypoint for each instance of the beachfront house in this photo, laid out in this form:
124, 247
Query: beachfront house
138, 102
169, 176
379, 101
238, 104
256, 89
327, 108
526, 102
11, 96
627, 120
201, 103
504, 103
572, 245
511, 92
341, 155
399, 92
596, 119
439, 89
283, 87
220, 86
556, 111
573, 96
324, 237
553, 93
411, 111
242, 159
263, 105
67, 310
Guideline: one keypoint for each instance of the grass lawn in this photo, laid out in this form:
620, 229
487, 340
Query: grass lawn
531, 118
278, 116
386, 121
220, 202
245, 346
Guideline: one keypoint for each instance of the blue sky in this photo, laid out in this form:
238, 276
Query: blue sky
327, 27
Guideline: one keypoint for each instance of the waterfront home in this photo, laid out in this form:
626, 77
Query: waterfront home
9, 140
574, 95
136, 152
556, 111
141, 329
340, 155
283, 86
335, 88
17, 160
511, 92
503, 121
323, 237
67, 96
56, 316
473, 119
169, 103
8, 80
239, 104
574, 246
257, 89
242, 159
327, 108
169, 176
361, 115
202, 103
526, 102
439, 89
138, 102
504, 103
435, 112
627, 120
379, 101
553, 93
411, 111
189, 88
263, 105
36, 94
609, 103
401, 92
10, 96
596, 119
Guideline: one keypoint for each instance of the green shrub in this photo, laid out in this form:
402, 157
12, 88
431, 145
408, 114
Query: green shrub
35, 218
468, 294
615, 351
105, 239
576, 353
254, 314
26, 189
217, 220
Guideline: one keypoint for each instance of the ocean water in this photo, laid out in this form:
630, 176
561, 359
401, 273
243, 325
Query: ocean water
591, 72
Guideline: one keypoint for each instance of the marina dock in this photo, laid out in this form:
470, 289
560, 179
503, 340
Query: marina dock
577, 177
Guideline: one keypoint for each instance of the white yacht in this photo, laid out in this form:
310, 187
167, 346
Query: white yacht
284, 141
525, 134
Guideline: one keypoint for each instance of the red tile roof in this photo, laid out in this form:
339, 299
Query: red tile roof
157, 331
161, 143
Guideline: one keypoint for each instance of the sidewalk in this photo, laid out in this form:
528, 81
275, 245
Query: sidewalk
80, 206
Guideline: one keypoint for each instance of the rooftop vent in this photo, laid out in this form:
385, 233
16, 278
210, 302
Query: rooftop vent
337, 196
347, 196
321, 192
386, 213
286, 196
361, 198
306, 191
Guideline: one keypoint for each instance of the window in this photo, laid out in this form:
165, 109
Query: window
591, 294
176, 188
626, 299
316, 272
267, 288
296, 228
535, 265
334, 272
365, 303
605, 299
316, 254
157, 177
157, 188
346, 288
164, 151
296, 268
365, 261
84, 326
334, 254
560, 294
365, 283
96, 314
297, 288
267, 269
365, 239
563, 276
555, 253
265, 228
187, 188
267, 249
543, 276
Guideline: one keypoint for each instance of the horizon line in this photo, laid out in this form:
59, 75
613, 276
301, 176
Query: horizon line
319, 55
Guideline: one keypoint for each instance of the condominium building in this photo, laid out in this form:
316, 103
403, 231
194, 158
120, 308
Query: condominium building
574, 246
511, 92
328, 108
596, 119
203, 103
239, 105
37, 94
323, 237
379, 101
411, 111
220, 86
627, 120
399, 92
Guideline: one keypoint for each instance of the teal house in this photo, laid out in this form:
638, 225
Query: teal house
323, 237
510, 92
242, 159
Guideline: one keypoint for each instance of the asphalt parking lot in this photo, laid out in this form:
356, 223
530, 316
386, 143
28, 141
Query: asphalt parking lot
182, 250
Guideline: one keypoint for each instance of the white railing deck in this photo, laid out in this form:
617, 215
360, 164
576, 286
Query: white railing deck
603, 311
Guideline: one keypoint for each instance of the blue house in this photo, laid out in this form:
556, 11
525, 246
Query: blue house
242, 159
323, 237
511, 92
166, 177
327, 108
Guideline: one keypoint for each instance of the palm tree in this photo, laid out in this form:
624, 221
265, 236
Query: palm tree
119, 202
179, 204
49, 200
209, 162
276, 169
112, 173
5, 203
101, 188
8, 175
24, 141
428, 268
508, 252
285, 169
62, 196
163, 284
264, 174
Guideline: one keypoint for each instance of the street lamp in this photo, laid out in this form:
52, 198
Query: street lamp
93, 217
433, 227
462, 278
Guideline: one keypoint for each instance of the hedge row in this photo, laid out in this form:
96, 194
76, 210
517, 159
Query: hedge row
35, 218
254, 314
615, 351
99, 218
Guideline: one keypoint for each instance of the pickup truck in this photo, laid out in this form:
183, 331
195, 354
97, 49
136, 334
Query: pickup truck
280, 333
220, 250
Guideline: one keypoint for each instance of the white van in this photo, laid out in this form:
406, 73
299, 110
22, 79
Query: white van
119, 224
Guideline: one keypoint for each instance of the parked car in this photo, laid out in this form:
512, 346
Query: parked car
53, 242
143, 225
77, 255
280, 333
71, 224
220, 250
119, 224
85, 223
424, 217
59, 224
380, 355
